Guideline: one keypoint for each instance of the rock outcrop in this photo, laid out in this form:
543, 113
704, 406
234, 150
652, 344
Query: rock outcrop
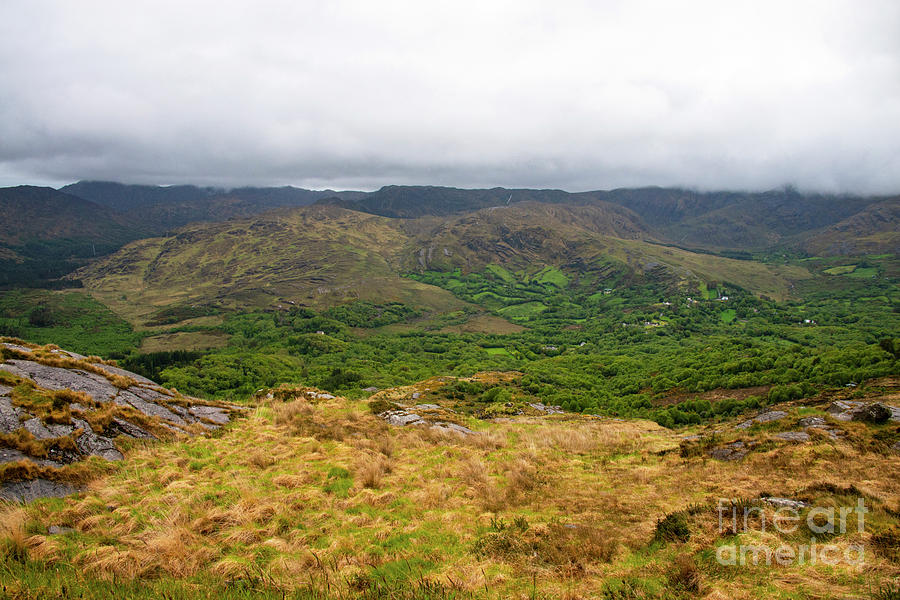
49, 399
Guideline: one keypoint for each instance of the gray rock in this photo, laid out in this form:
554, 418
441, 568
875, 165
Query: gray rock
182, 412
123, 373
426, 407
453, 428
123, 427
843, 409
550, 410
36, 428
8, 455
733, 451
133, 397
211, 413
9, 368
17, 347
57, 530
11, 455
416, 395
90, 443
5, 390
766, 417
691, 438
401, 418
56, 378
784, 502
78, 407
9, 416
793, 436
74, 355
59, 430
815, 422
872, 413
26, 491
896, 447
371, 389
772, 415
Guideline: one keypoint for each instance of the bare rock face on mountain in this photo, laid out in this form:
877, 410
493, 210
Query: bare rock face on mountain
58, 407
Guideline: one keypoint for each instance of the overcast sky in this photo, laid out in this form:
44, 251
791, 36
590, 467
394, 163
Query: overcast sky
344, 94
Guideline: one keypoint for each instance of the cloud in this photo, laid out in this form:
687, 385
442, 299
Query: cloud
576, 95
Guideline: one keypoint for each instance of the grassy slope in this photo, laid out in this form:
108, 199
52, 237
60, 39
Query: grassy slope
316, 256
327, 498
529, 236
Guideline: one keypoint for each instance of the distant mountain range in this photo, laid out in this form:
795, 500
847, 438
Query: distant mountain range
47, 232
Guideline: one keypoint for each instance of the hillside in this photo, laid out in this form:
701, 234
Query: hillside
735, 221
44, 233
34, 214
316, 256
875, 230
411, 494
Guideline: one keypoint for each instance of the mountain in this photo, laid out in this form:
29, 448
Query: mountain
418, 201
729, 221
44, 233
41, 213
712, 221
163, 208
874, 230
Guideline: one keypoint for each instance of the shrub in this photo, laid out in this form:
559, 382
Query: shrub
672, 528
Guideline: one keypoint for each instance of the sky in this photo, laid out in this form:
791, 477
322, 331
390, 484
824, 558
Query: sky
575, 95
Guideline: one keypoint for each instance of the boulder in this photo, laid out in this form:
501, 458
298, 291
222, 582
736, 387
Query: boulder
730, 452
401, 418
872, 413
842, 410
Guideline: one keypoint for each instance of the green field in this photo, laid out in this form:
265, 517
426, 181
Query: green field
497, 351
840, 270
864, 272
728, 315
553, 276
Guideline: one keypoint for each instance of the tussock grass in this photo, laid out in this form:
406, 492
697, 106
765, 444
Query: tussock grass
322, 497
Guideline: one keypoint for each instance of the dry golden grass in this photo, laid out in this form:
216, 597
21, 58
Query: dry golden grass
12, 532
302, 487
